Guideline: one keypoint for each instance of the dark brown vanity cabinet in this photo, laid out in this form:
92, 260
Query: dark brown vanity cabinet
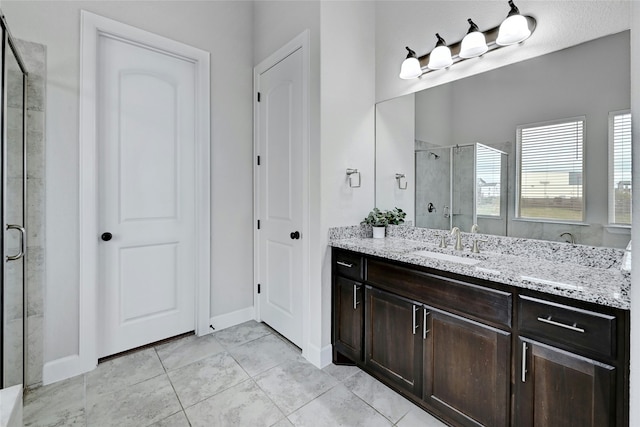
466, 374
567, 374
393, 338
348, 306
477, 353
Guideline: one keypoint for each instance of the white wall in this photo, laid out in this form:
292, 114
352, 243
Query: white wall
634, 404
222, 28
348, 126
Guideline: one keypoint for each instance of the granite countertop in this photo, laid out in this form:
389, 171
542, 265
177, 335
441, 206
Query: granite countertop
601, 281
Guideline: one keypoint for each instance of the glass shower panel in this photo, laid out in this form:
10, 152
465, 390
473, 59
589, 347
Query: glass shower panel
463, 187
14, 219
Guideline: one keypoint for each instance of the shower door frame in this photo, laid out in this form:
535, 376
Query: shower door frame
8, 43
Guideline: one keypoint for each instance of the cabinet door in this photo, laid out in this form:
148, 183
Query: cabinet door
348, 318
393, 340
558, 388
466, 369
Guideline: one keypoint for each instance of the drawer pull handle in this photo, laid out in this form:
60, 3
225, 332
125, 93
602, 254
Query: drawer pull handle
524, 362
344, 264
415, 327
355, 297
425, 331
573, 327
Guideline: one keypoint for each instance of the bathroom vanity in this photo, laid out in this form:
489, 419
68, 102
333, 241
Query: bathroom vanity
490, 339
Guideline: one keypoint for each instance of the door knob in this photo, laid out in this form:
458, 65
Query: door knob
106, 236
295, 235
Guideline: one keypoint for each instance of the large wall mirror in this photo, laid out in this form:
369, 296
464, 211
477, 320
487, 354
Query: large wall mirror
457, 147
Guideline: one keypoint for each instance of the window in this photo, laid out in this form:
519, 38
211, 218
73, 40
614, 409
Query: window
550, 168
488, 173
620, 167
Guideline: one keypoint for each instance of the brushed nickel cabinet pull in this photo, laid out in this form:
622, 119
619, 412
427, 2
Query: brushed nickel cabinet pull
415, 327
344, 264
355, 298
573, 327
524, 362
425, 331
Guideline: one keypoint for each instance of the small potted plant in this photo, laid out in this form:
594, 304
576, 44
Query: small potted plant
396, 216
378, 220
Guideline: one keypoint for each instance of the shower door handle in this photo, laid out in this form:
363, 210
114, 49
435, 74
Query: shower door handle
22, 239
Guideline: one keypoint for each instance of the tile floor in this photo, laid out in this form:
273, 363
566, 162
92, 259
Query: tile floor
246, 375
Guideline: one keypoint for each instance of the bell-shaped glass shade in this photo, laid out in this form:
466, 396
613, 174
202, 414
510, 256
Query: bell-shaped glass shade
514, 29
473, 44
440, 58
410, 69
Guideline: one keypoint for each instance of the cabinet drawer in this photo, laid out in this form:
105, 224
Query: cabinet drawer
478, 302
348, 264
568, 327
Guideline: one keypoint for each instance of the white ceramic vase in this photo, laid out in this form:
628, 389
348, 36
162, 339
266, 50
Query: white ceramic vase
378, 232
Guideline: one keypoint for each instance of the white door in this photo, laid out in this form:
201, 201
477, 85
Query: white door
280, 196
146, 156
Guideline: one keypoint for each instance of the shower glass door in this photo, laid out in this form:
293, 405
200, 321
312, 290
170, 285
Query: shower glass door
13, 213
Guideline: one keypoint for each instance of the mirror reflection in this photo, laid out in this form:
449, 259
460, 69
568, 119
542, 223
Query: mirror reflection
461, 185
485, 112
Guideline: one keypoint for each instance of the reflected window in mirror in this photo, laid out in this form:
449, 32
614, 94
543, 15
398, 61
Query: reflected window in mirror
620, 168
488, 174
550, 168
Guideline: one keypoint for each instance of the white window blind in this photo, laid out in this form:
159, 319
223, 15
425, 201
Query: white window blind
620, 168
550, 168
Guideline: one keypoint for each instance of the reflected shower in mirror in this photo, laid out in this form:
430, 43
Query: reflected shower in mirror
461, 185
588, 80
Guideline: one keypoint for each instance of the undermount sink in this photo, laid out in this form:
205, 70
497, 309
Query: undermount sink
447, 257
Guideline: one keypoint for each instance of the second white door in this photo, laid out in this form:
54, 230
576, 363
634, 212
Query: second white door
279, 134
146, 149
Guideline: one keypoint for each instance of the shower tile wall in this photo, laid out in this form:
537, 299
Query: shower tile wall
429, 170
34, 56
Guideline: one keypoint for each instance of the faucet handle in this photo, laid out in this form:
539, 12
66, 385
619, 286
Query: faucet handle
474, 228
443, 242
476, 249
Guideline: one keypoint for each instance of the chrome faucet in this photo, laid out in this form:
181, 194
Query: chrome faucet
474, 228
571, 238
455, 231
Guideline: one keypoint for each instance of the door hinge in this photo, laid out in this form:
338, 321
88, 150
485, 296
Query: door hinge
258, 224
258, 287
258, 160
258, 96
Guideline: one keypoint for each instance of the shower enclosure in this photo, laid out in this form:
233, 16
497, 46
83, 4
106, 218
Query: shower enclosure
462, 185
12, 209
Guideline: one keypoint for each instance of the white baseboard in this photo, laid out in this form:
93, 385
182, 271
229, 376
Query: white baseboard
319, 357
61, 369
224, 321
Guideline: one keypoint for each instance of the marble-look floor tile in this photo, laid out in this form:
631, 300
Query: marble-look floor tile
184, 351
379, 396
242, 333
141, 404
338, 407
263, 353
341, 372
283, 423
242, 405
420, 418
294, 383
206, 377
176, 420
58, 404
35, 350
119, 373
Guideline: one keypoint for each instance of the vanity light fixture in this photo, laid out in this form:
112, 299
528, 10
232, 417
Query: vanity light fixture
440, 56
515, 29
411, 66
474, 43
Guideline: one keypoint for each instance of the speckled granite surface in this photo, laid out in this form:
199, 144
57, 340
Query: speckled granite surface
580, 272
